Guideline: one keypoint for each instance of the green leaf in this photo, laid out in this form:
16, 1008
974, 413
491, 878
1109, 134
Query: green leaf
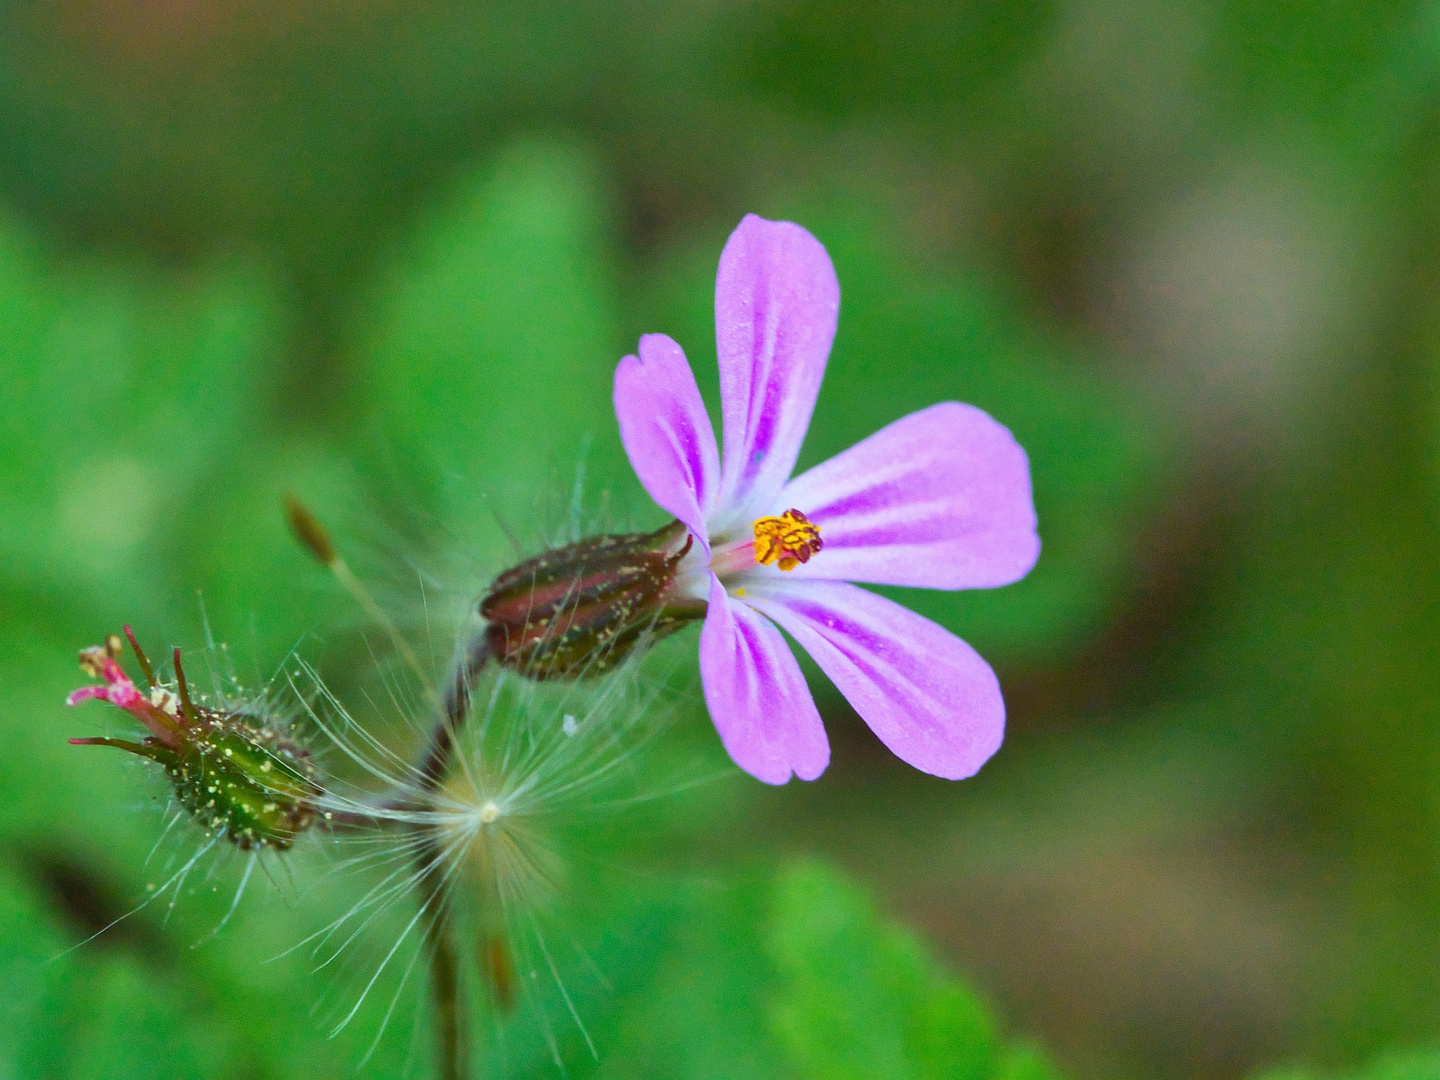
785, 975
1304, 58
121, 388
489, 349
121, 1023
838, 963
1025, 1063
835, 56
263, 594
1414, 1065
26, 946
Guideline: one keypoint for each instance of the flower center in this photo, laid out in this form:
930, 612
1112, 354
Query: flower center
788, 540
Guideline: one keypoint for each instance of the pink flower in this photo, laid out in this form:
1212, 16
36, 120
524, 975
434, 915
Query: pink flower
165, 724
938, 499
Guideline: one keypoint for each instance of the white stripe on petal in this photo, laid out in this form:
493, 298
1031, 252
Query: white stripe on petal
776, 304
757, 695
939, 499
666, 431
929, 697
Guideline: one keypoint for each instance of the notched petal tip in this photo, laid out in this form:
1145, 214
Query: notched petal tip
667, 432
660, 349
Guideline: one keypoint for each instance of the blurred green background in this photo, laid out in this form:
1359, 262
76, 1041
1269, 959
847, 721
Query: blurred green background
386, 255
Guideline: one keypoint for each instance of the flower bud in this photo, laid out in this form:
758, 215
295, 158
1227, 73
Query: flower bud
579, 610
237, 775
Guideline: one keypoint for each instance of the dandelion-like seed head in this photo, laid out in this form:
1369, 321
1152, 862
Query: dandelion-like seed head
500, 848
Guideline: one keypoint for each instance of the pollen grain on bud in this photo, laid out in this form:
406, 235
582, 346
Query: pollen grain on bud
579, 610
789, 540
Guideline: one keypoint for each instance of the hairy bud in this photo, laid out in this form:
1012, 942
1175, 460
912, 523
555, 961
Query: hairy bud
579, 610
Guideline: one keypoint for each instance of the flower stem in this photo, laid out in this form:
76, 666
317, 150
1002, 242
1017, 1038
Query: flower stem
451, 1048
454, 708
444, 969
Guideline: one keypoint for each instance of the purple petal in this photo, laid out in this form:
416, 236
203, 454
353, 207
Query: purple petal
757, 696
87, 693
776, 302
666, 431
940, 499
927, 695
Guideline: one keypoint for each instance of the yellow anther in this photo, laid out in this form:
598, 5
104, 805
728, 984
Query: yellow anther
789, 540
92, 661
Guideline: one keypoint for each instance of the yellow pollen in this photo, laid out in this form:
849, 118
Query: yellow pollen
789, 540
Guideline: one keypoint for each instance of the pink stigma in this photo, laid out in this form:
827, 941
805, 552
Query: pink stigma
119, 690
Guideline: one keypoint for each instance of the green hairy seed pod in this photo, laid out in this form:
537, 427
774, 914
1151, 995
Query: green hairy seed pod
579, 610
237, 775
